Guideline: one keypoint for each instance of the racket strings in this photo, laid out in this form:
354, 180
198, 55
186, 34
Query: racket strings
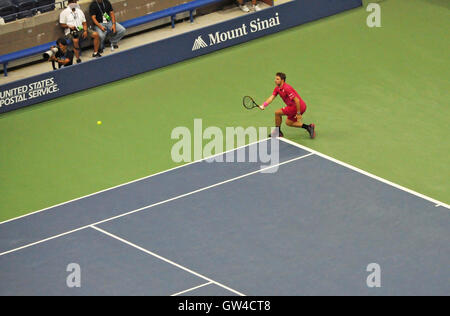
249, 103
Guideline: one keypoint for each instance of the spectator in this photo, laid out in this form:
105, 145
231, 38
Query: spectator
73, 21
64, 56
103, 16
244, 7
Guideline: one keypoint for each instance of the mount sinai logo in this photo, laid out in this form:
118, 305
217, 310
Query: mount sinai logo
199, 43
254, 26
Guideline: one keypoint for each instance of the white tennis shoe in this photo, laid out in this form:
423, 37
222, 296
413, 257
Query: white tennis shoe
244, 8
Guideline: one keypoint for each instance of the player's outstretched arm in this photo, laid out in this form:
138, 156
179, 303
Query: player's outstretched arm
268, 101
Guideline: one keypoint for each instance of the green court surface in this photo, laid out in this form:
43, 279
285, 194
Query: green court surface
379, 98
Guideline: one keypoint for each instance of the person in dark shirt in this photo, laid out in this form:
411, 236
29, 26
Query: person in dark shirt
64, 56
102, 14
73, 21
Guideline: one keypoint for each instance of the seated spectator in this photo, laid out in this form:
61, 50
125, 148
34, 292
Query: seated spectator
64, 56
73, 21
103, 16
245, 8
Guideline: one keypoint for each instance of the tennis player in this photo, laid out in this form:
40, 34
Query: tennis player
294, 109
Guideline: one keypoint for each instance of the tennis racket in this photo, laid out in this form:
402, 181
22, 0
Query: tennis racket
249, 103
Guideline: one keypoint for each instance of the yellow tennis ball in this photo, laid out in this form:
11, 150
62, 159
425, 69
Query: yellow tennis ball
99, 122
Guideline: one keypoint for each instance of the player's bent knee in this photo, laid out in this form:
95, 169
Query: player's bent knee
289, 122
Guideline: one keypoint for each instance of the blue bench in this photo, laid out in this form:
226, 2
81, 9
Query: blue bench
169, 12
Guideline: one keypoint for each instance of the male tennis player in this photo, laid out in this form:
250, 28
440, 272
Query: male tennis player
294, 109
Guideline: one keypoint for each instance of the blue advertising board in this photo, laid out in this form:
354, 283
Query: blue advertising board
64, 81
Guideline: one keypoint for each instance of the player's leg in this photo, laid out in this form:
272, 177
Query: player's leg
293, 122
278, 114
278, 119
291, 112
290, 123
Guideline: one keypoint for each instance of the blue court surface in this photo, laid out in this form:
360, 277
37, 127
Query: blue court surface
226, 228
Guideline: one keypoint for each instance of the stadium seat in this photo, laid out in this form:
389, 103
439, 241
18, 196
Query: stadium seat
25, 8
45, 5
7, 9
169, 12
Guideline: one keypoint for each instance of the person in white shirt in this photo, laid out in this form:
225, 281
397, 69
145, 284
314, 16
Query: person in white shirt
245, 8
73, 21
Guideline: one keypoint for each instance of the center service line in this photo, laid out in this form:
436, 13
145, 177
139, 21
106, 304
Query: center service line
166, 260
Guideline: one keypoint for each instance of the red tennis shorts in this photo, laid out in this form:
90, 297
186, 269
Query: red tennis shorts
291, 111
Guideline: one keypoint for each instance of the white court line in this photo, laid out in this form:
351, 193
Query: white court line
436, 202
156, 204
166, 260
123, 184
43, 240
192, 289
